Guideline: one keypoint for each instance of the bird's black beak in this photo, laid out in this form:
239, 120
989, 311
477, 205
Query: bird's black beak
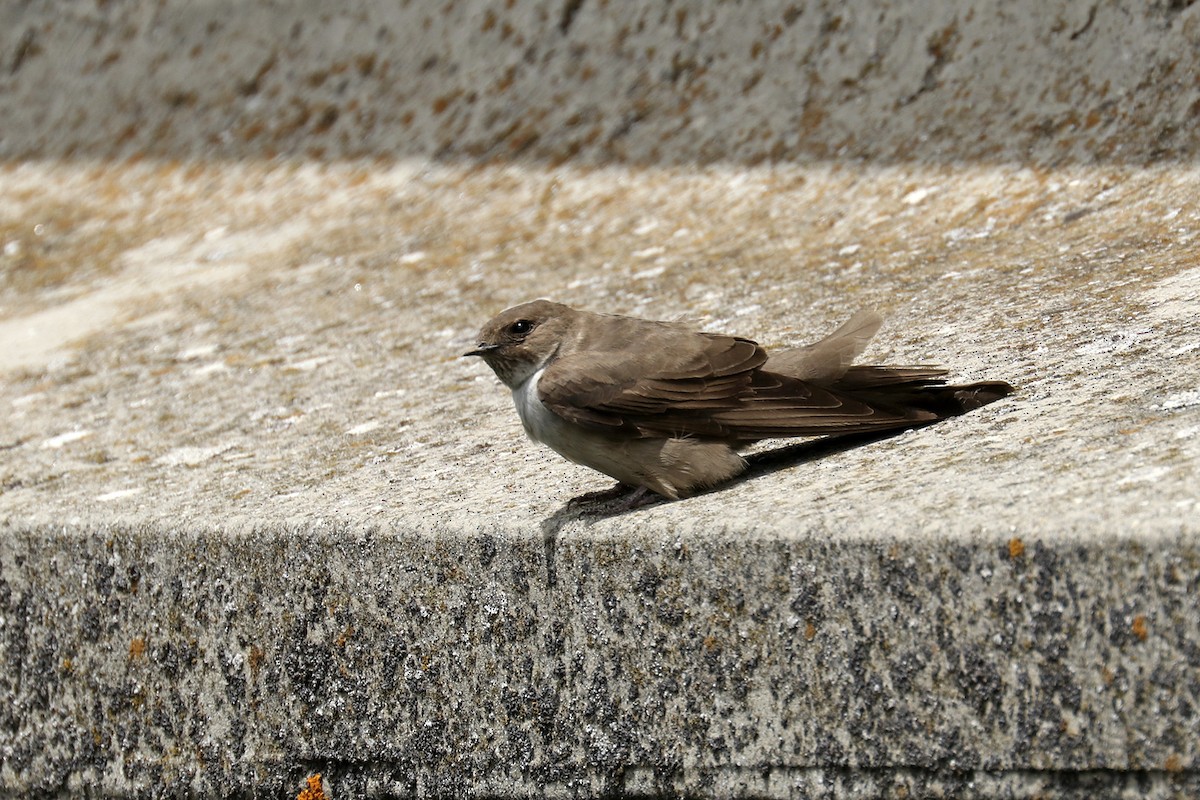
482, 350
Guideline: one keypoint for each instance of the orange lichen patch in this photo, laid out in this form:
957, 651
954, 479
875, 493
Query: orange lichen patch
312, 789
1016, 547
506, 80
1139, 627
253, 130
1173, 763
810, 631
255, 658
440, 104
137, 648
345, 636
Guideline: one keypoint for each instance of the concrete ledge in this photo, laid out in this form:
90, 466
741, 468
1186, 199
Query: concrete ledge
704, 663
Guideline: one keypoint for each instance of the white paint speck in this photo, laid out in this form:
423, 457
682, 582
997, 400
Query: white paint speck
193, 353
308, 364
191, 456
366, 427
55, 442
652, 272
108, 497
649, 252
917, 195
208, 369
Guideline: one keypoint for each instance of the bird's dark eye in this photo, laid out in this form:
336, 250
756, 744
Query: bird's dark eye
520, 327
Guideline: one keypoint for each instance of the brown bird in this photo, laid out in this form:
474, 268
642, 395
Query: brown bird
659, 406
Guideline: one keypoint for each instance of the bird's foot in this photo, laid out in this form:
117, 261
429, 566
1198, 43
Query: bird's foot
618, 499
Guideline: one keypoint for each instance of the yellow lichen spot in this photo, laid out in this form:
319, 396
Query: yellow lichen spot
312, 789
1016, 547
1139, 627
137, 648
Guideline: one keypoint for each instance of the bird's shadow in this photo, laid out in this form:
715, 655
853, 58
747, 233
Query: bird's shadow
619, 501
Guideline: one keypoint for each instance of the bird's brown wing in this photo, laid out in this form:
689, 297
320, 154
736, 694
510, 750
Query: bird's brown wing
705, 385
827, 360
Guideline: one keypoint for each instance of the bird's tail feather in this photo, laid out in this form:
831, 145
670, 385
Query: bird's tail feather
921, 387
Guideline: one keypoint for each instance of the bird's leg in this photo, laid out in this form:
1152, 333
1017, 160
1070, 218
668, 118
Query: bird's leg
617, 500
641, 497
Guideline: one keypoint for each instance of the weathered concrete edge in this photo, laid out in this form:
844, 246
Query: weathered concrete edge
147, 659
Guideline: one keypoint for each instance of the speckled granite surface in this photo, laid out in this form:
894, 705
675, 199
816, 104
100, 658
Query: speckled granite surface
259, 522
652, 662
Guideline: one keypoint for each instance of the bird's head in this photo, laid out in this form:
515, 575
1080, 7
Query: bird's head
519, 341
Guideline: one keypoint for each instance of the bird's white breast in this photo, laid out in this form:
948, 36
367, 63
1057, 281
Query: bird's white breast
542, 424
576, 442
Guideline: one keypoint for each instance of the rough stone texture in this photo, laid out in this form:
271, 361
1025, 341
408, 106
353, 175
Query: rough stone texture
258, 521
650, 83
